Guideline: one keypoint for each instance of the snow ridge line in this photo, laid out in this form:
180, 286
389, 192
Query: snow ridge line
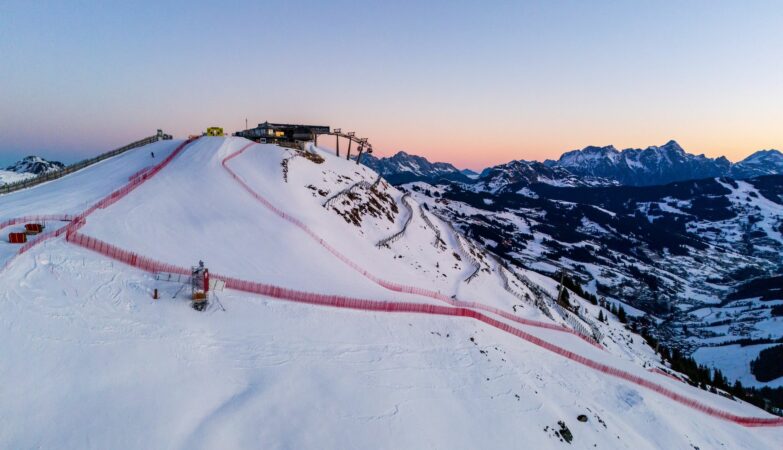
338, 301
397, 235
395, 287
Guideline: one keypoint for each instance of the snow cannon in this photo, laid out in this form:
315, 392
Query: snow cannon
199, 285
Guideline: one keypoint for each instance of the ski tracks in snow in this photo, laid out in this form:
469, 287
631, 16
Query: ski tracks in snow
466, 310
462, 309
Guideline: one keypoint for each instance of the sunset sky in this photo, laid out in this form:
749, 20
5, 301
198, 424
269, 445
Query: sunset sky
472, 83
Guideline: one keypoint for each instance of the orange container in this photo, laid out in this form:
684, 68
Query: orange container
17, 238
33, 228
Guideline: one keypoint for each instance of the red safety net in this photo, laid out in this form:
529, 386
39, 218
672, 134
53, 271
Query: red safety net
135, 181
339, 301
459, 308
37, 219
392, 286
77, 221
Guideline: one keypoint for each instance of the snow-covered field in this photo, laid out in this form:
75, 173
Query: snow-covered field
89, 360
8, 177
734, 362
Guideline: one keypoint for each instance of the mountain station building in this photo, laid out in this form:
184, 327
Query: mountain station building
282, 132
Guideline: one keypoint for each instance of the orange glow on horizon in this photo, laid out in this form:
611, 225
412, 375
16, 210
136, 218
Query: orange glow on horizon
479, 153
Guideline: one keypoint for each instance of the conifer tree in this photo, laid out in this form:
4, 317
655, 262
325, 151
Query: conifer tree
621, 315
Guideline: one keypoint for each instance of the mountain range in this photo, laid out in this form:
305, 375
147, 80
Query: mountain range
418, 315
663, 164
405, 168
672, 251
682, 254
590, 166
684, 239
35, 165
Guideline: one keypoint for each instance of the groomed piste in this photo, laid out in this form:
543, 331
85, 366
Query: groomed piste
459, 308
408, 363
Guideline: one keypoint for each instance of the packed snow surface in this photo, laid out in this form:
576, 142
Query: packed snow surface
8, 177
90, 360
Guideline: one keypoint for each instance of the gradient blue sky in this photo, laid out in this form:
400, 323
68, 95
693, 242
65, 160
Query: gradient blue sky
474, 83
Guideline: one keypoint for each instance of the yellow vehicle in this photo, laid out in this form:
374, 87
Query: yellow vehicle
215, 131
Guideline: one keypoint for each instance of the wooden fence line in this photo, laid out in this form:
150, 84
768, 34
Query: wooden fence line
44, 177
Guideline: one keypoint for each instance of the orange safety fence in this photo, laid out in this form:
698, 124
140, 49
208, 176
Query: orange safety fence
36, 218
339, 301
77, 221
459, 308
392, 286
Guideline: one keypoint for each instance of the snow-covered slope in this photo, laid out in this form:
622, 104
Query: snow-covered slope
7, 176
90, 360
676, 252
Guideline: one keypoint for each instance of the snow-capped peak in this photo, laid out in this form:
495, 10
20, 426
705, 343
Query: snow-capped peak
763, 162
652, 165
520, 173
401, 368
404, 167
672, 145
764, 157
35, 165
